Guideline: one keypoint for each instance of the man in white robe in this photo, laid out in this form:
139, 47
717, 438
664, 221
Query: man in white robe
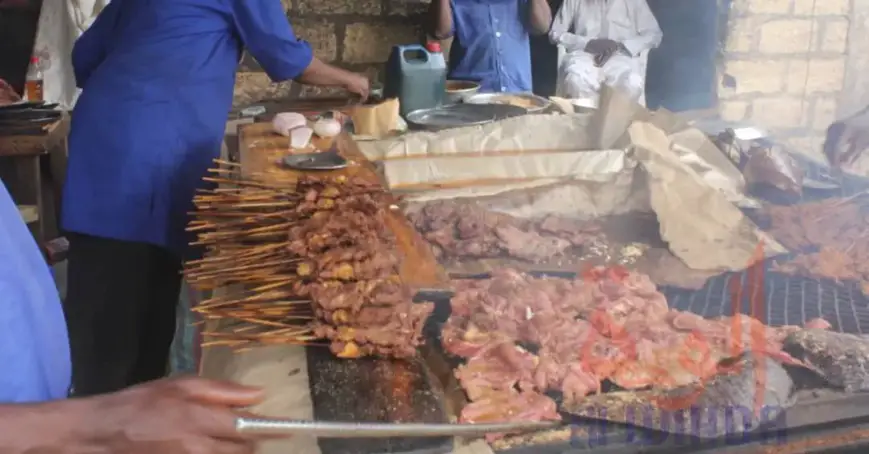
61, 22
605, 43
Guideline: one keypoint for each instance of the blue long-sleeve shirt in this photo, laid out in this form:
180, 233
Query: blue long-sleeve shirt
491, 44
34, 351
157, 79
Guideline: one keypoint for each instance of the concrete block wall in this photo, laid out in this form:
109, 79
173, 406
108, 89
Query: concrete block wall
788, 59
354, 34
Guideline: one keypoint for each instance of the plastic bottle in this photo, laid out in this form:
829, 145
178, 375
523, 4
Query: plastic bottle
33, 85
417, 76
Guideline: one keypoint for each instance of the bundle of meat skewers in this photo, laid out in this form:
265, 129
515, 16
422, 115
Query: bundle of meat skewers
305, 259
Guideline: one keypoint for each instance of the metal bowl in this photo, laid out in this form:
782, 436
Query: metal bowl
458, 90
530, 102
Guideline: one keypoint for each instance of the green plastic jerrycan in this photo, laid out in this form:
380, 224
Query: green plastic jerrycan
417, 76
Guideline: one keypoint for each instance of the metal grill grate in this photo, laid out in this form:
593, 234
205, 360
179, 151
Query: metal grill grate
786, 300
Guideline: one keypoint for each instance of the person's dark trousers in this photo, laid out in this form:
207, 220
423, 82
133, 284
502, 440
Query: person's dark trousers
544, 60
120, 312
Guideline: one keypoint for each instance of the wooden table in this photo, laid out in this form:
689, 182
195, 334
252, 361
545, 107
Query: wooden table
283, 370
25, 152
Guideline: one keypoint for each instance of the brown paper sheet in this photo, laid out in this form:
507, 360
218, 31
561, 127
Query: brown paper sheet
377, 120
547, 164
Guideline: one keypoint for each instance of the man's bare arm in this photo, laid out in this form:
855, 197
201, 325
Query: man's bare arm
648, 31
440, 17
559, 33
188, 415
325, 75
539, 17
47, 427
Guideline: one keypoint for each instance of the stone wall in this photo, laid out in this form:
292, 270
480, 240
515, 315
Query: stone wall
785, 61
354, 34
784, 64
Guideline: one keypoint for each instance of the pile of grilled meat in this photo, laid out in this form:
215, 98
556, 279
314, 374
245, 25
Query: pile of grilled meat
832, 237
349, 267
523, 336
461, 229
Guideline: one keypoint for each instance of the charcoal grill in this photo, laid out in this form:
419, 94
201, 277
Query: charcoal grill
777, 299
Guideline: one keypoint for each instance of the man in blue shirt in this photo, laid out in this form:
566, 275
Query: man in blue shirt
157, 79
491, 39
178, 416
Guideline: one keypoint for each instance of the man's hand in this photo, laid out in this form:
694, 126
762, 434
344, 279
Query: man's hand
173, 416
7, 94
357, 84
847, 140
602, 47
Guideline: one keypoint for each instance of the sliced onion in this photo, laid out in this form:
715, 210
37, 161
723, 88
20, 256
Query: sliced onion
284, 122
300, 137
327, 127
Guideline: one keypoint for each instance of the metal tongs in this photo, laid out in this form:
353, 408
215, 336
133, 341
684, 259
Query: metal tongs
329, 429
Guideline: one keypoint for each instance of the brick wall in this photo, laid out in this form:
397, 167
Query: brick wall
354, 34
788, 60
787, 57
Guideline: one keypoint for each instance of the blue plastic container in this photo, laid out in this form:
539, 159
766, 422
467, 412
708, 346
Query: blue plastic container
417, 76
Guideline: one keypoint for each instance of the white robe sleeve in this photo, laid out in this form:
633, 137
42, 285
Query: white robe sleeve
559, 33
648, 31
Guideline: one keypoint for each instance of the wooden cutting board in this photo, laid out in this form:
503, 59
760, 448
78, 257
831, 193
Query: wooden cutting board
260, 150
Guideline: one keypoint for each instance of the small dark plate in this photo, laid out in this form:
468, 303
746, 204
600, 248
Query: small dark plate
327, 160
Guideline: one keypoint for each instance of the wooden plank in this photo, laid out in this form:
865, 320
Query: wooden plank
29, 145
261, 149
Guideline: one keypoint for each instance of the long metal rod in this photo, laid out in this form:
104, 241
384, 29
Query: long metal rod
328, 429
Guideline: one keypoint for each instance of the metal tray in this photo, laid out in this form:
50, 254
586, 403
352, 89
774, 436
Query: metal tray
458, 115
503, 99
325, 160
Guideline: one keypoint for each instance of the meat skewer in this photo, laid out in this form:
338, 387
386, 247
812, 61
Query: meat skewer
304, 260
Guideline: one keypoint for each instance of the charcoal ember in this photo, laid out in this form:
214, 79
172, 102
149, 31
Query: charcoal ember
841, 359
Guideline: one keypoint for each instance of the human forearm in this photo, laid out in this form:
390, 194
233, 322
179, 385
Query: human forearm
440, 19
324, 75
56, 427
539, 17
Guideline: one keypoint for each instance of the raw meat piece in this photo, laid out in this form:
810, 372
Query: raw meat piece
300, 137
284, 122
498, 369
509, 406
